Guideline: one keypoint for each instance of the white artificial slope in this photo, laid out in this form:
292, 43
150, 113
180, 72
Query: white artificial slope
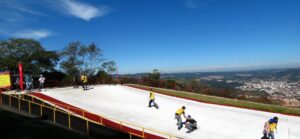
215, 122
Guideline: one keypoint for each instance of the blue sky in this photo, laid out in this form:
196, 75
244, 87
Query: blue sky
169, 35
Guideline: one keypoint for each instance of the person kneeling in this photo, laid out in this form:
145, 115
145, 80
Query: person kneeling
191, 124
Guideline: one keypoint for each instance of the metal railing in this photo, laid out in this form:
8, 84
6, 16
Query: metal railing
75, 118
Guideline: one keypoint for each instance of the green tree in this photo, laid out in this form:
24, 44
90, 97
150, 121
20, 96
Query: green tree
154, 77
77, 57
29, 52
109, 67
70, 61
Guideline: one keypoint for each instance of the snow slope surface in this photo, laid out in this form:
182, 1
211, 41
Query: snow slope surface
215, 122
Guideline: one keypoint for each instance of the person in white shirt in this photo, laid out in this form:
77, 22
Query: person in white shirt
41, 80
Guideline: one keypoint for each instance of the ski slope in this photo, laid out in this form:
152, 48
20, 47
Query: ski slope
215, 122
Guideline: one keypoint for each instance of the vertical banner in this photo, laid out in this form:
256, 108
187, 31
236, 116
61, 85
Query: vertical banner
5, 80
21, 76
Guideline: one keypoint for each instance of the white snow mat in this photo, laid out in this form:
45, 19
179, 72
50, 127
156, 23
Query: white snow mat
215, 122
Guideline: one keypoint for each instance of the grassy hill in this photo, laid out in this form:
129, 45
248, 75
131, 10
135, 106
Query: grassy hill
224, 101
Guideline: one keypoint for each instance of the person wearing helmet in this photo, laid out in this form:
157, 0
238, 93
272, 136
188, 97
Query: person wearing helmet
191, 124
272, 127
178, 114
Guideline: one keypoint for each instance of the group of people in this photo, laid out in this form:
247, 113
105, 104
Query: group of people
190, 123
269, 128
28, 78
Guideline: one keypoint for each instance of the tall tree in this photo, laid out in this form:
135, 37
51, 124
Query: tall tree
153, 78
29, 52
109, 67
70, 61
79, 57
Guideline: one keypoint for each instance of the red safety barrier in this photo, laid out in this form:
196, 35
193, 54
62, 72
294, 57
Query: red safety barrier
97, 118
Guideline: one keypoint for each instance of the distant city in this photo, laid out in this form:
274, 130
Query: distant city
280, 84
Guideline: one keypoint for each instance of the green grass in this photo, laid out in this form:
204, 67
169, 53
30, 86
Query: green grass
225, 101
15, 126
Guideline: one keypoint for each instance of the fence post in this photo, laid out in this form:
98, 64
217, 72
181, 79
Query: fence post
0, 97
101, 120
19, 106
130, 135
87, 127
143, 132
41, 108
69, 117
9, 100
54, 117
29, 107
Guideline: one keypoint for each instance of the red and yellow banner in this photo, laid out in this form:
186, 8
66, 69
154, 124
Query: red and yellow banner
5, 80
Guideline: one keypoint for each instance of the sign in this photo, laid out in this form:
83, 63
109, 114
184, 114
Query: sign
5, 80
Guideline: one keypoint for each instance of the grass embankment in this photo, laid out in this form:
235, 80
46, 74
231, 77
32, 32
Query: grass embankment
15, 126
224, 101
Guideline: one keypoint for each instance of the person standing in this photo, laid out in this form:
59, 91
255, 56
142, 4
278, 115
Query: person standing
152, 100
273, 127
31, 83
178, 114
74, 81
41, 80
28, 83
84, 81
17, 84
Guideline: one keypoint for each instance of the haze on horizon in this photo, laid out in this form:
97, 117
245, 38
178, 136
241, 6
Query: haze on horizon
171, 36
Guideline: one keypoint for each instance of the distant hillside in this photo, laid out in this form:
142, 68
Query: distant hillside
269, 74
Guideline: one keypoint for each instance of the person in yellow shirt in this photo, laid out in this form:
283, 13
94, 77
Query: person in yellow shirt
84, 81
152, 99
178, 114
272, 127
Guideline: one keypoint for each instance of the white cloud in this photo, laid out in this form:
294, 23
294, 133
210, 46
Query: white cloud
82, 10
14, 15
33, 34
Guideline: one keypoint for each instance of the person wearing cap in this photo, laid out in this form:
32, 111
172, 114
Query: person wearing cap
41, 80
191, 124
272, 127
178, 114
